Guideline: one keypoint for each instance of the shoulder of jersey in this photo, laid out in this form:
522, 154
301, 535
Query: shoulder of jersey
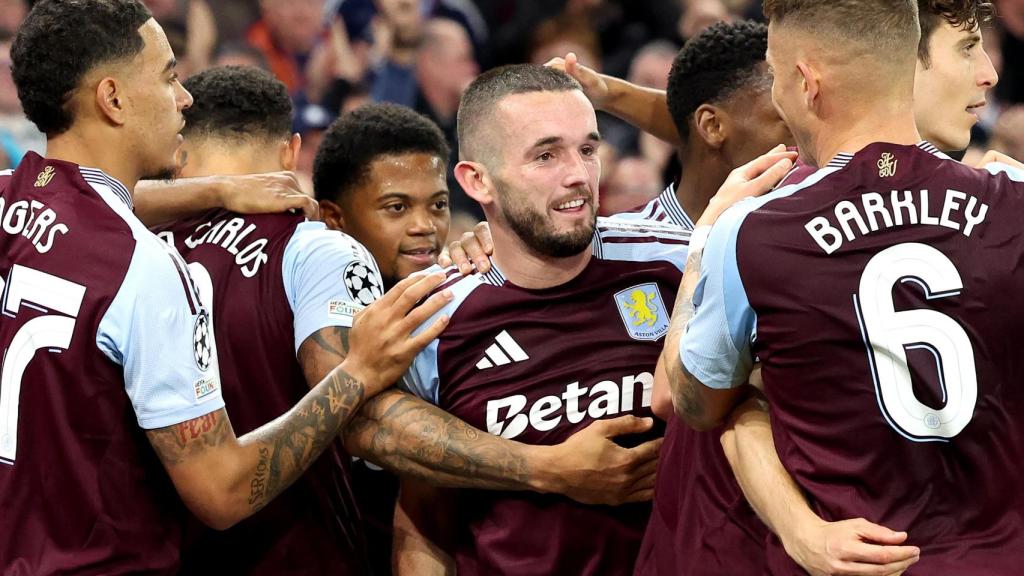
463, 283
617, 230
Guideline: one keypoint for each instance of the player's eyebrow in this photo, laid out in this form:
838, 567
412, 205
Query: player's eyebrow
973, 38
593, 137
170, 65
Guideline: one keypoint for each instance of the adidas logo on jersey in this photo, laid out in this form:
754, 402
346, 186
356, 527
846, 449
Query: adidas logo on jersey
504, 351
606, 398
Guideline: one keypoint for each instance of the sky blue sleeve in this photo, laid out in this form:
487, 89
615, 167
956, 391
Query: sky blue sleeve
328, 277
423, 379
157, 330
716, 346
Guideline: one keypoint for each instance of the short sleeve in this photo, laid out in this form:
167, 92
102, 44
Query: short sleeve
1014, 173
716, 347
422, 379
328, 277
159, 333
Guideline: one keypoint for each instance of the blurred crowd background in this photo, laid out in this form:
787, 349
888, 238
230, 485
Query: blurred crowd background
337, 54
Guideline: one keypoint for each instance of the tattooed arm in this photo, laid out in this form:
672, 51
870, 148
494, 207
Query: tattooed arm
414, 438
698, 405
223, 478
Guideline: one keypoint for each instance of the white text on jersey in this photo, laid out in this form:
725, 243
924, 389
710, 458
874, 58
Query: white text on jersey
228, 234
606, 398
33, 220
876, 211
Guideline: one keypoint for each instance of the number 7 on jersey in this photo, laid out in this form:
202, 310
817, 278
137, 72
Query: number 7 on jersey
59, 300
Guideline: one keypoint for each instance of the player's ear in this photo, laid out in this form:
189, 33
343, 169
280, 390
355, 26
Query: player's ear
110, 100
707, 122
810, 85
290, 152
331, 215
475, 181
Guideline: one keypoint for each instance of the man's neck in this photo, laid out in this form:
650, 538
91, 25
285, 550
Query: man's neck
887, 122
230, 160
78, 148
527, 269
702, 175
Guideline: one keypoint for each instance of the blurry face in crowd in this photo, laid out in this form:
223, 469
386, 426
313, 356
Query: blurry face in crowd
448, 61
9, 103
546, 171
400, 213
155, 100
950, 91
295, 24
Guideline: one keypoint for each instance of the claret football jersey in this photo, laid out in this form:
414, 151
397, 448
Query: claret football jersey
103, 335
538, 365
880, 295
271, 281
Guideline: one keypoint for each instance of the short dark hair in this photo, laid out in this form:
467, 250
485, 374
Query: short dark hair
237, 102
60, 42
883, 26
354, 141
489, 88
960, 14
712, 66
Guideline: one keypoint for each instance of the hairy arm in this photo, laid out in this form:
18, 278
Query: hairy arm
822, 548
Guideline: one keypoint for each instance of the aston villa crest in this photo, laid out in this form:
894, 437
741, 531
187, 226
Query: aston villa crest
643, 312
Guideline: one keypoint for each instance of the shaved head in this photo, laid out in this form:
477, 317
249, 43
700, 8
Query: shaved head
478, 134
885, 30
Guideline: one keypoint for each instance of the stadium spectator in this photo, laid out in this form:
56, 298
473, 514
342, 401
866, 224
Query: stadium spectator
18, 134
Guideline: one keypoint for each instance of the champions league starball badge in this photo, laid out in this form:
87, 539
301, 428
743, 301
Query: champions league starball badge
202, 346
362, 283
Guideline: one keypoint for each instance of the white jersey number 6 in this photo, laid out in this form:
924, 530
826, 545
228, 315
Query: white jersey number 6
889, 334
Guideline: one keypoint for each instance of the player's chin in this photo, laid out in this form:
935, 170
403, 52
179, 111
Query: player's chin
406, 266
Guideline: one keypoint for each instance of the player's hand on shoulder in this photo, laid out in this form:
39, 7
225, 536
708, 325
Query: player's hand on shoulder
993, 156
852, 548
596, 470
594, 87
752, 179
382, 344
267, 193
473, 249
